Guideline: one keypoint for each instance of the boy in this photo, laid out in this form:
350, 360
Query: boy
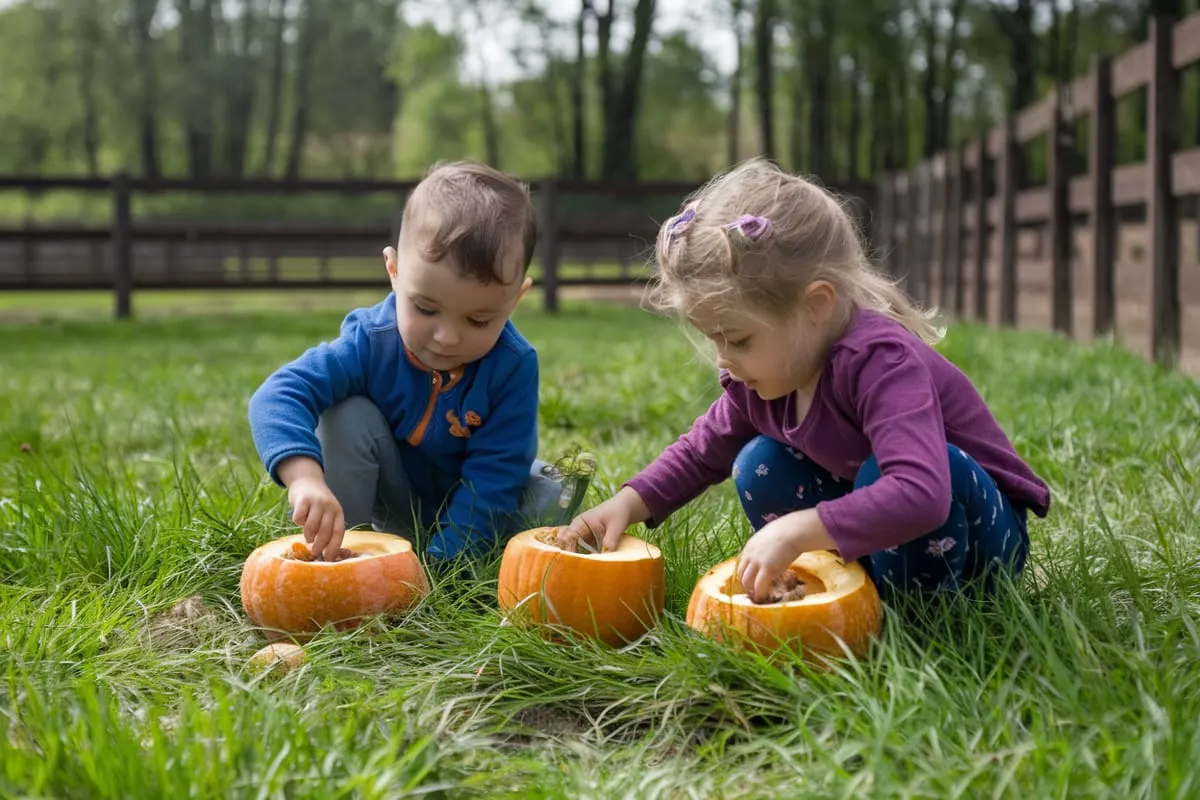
424, 409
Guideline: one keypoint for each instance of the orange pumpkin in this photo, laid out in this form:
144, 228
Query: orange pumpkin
286, 593
612, 596
840, 605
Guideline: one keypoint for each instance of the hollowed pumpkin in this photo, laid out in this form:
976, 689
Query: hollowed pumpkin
285, 594
612, 596
840, 605
281, 657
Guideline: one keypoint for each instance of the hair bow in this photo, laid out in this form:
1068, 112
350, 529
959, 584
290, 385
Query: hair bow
752, 227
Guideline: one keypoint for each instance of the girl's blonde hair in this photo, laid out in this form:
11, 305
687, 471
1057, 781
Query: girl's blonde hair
758, 236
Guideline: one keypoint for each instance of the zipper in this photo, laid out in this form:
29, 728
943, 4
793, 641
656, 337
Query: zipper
418, 433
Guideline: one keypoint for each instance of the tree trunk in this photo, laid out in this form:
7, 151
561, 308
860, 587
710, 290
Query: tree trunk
734, 130
240, 96
144, 11
819, 46
578, 110
300, 96
764, 70
1024, 57
800, 160
620, 145
929, 84
275, 86
85, 52
854, 133
196, 37
603, 61
946, 110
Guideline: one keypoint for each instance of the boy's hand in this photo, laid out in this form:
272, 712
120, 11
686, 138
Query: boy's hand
314, 507
606, 523
775, 546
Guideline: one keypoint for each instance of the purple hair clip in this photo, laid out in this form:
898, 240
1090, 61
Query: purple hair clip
752, 227
673, 227
682, 219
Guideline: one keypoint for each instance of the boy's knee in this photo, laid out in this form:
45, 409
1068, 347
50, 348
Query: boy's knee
355, 419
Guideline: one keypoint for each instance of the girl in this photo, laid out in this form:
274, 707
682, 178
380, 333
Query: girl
841, 426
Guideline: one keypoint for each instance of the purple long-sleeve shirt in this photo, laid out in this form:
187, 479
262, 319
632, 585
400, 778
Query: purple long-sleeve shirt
883, 392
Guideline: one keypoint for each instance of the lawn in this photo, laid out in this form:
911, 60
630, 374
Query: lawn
128, 482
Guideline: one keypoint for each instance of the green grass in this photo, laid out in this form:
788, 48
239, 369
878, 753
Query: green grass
140, 487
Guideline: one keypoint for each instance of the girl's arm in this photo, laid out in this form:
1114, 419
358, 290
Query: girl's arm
700, 458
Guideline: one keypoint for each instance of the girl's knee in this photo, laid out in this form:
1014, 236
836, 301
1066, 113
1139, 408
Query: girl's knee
868, 473
758, 453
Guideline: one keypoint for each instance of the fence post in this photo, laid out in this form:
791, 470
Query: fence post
1162, 212
548, 226
1101, 158
1009, 153
981, 230
952, 229
1062, 291
122, 246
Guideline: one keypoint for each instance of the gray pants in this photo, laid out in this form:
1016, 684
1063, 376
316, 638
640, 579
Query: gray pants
365, 472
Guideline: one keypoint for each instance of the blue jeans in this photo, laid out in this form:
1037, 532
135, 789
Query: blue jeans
982, 535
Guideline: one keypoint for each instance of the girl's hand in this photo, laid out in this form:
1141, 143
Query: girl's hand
605, 524
775, 546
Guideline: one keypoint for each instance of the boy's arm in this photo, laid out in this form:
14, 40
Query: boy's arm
495, 472
285, 409
700, 458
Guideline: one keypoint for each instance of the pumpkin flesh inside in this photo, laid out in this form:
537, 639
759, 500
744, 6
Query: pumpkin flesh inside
807, 583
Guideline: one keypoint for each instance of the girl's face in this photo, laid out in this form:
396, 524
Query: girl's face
775, 357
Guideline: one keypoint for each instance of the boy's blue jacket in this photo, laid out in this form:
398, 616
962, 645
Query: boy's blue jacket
468, 438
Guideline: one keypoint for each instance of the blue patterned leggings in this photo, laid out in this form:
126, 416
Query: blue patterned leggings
982, 535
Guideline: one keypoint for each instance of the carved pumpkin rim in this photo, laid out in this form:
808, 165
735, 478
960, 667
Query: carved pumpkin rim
365, 544
630, 548
833, 579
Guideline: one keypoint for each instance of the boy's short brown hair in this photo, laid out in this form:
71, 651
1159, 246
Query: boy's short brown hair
475, 216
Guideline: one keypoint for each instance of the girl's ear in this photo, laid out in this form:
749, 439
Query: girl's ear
821, 299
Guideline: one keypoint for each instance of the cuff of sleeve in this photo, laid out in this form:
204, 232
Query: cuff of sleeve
849, 546
657, 505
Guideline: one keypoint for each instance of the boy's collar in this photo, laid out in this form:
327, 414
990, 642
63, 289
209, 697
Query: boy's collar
454, 374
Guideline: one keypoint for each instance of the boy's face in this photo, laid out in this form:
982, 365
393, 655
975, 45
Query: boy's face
444, 318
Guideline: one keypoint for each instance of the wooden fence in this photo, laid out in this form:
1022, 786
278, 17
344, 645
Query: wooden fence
583, 226
935, 220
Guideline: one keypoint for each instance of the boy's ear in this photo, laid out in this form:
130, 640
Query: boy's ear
525, 287
389, 260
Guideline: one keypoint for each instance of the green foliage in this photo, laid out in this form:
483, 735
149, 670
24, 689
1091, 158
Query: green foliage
373, 90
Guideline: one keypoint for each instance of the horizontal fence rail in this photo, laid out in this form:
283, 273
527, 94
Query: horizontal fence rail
126, 254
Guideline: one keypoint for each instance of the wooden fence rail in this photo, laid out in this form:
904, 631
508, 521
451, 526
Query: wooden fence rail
933, 218
128, 254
